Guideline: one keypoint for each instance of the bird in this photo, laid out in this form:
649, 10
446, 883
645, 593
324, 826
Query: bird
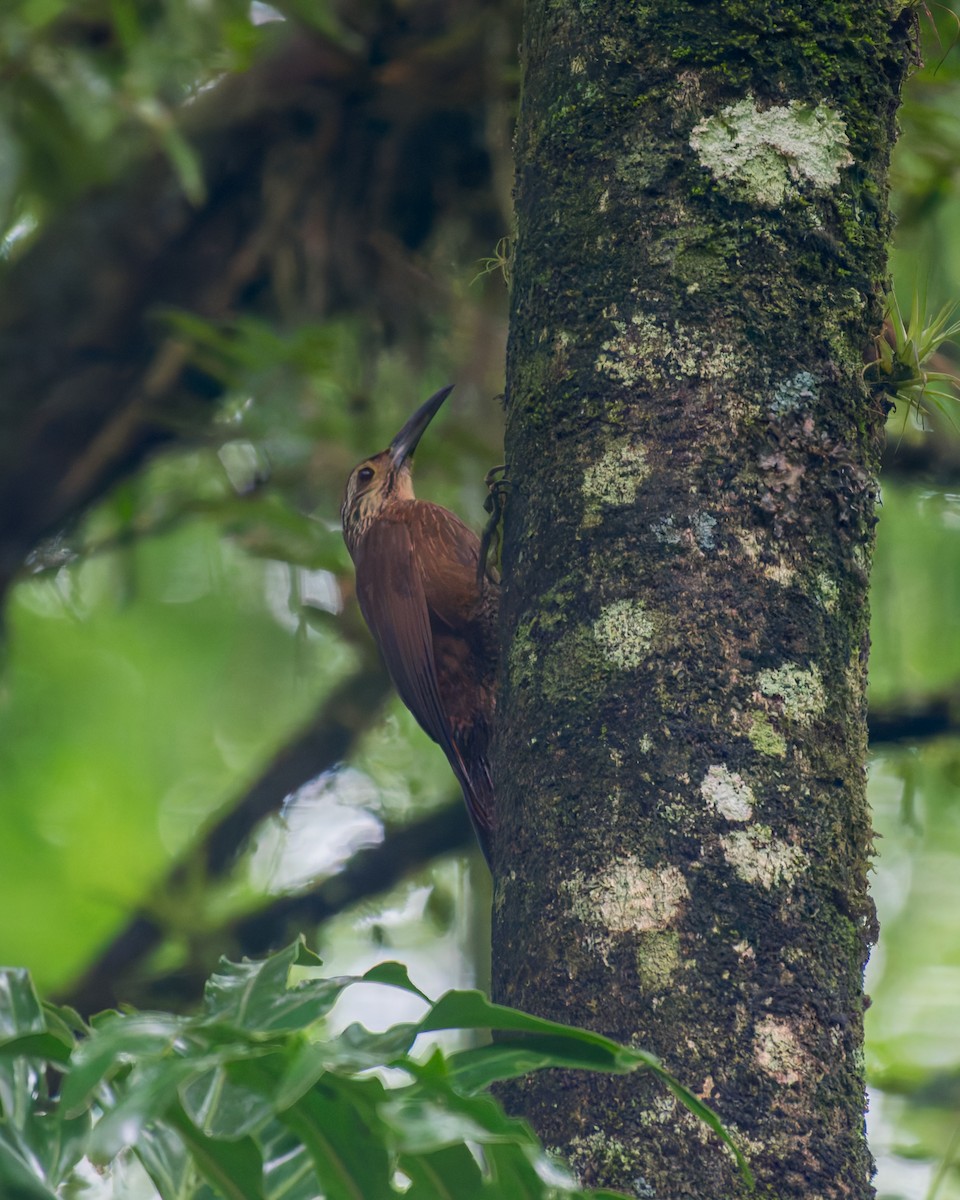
431, 607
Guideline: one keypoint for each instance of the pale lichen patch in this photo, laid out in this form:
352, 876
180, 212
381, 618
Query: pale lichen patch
628, 898
726, 792
744, 951
800, 691
665, 533
794, 394
770, 153
758, 857
777, 1051
600, 1151
624, 630
613, 480
779, 571
703, 525
828, 591
645, 351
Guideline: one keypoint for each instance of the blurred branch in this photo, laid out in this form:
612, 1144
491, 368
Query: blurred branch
931, 716
370, 872
345, 714
933, 459
325, 170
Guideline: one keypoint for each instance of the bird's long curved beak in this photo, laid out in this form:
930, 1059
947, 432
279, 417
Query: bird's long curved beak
404, 444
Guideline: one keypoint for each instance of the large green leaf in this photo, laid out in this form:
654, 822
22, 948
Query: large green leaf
45, 1046
19, 1177
356, 1049
145, 1095
20, 1010
225, 1101
255, 997
472, 1010
166, 1159
451, 1173
117, 1040
234, 1169
423, 1120
339, 1123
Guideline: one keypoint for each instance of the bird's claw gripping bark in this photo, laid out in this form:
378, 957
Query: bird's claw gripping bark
498, 488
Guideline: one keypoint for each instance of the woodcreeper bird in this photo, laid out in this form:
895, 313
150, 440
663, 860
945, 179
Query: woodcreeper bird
431, 609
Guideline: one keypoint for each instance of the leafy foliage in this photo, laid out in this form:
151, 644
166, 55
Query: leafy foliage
906, 353
255, 1096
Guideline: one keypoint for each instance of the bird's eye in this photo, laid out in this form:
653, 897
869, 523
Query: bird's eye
365, 474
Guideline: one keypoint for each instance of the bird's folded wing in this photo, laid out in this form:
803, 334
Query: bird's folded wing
392, 600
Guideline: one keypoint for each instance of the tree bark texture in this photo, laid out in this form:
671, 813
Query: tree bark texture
684, 836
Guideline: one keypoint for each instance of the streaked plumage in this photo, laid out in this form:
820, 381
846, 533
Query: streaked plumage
417, 586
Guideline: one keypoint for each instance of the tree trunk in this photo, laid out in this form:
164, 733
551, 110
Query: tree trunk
684, 837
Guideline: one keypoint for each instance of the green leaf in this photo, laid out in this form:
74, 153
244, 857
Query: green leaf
165, 1158
20, 1009
394, 974
339, 1124
221, 1105
288, 1172
36, 1045
233, 1169
425, 1119
475, 1069
513, 1174
356, 1049
255, 996
472, 1010
116, 1040
18, 1177
451, 1173
144, 1097
710, 1118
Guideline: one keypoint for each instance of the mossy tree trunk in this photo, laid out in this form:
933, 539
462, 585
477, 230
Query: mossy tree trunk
684, 837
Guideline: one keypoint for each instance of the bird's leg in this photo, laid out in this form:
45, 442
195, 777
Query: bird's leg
498, 488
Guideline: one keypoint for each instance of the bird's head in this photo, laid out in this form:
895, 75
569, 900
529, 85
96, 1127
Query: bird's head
387, 476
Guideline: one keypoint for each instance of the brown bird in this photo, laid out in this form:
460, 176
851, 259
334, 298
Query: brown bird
432, 612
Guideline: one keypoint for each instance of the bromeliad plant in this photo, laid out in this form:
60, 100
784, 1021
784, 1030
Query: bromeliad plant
253, 1098
908, 358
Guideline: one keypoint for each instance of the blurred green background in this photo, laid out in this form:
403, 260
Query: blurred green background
164, 653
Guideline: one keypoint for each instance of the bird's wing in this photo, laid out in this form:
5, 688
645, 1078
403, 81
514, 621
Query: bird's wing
452, 549
393, 603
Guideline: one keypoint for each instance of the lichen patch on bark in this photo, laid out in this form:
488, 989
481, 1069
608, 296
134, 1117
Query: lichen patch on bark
613, 479
764, 738
624, 631
828, 590
643, 351
726, 792
758, 857
800, 691
658, 958
795, 394
628, 898
778, 1052
768, 154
